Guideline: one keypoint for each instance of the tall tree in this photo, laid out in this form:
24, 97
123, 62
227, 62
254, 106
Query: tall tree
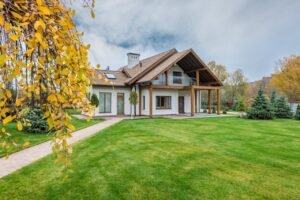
219, 70
43, 59
236, 85
287, 77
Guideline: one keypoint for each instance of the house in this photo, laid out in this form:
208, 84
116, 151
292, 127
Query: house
168, 83
294, 105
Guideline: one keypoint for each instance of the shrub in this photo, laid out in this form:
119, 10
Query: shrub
261, 108
282, 109
94, 100
240, 106
297, 115
34, 122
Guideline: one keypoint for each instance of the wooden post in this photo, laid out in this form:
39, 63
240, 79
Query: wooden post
197, 78
219, 101
150, 101
196, 101
209, 101
192, 101
140, 100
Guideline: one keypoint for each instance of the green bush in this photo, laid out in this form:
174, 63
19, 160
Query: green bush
261, 108
94, 100
282, 108
297, 115
240, 106
34, 122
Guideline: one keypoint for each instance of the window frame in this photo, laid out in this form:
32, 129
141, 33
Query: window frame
176, 78
167, 102
104, 103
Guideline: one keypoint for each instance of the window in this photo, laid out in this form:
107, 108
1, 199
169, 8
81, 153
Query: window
163, 102
105, 102
177, 77
110, 76
144, 103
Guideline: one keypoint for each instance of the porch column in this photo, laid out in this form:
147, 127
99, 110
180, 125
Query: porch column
192, 101
150, 101
209, 101
140, 100
197, 78
219, 101
196, 101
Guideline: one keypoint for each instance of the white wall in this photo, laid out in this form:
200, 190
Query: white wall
113, 90
174, 102
185, 78
293, 107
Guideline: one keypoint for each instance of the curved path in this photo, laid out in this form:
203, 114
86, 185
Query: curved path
22, 158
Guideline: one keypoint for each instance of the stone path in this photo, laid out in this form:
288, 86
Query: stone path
22, 158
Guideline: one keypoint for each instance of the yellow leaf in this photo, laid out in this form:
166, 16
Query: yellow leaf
38, 36
16, 15
93, 14
1, 5
71, 127
20, 127
3, 130
52, 98
29, 51
2, 59
8, 93
19, 101
7, 120
38, 24
26, 144
14, 37
39, 2
1, 20
44, 10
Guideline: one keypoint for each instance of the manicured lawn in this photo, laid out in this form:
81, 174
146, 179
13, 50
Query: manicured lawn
212, 158
20, 137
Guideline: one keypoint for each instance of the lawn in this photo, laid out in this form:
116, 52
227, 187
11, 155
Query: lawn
212, 158
20, 137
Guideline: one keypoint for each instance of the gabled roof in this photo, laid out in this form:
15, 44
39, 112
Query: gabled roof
148, 69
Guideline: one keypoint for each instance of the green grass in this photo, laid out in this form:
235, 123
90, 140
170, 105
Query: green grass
212, 158
72, 111
20, 137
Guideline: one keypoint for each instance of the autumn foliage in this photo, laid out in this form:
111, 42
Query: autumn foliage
287, 78
43, 63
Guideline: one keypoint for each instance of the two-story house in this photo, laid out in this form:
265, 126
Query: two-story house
168, 83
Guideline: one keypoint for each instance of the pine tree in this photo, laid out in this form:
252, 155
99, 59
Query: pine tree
297, 115
281, 108
261, 108
94, 100
273, 98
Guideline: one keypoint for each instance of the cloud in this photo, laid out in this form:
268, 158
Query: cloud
246, 34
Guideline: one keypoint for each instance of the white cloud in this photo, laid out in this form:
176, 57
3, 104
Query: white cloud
251, 35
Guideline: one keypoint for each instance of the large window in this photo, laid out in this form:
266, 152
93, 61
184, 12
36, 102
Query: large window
105, 102
163, 102
177, 77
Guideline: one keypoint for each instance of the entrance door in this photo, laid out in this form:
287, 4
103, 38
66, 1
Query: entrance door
120, 103
181, 104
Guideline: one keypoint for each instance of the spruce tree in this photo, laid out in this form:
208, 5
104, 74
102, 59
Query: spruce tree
297, 115
273, 98
282, 108
260, 108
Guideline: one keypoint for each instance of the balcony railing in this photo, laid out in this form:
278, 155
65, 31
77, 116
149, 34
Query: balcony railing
185, 81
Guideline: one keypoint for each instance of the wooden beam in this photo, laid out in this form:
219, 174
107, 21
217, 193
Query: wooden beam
140, 100
219, 101
193, 70
192, 101
196, 101
197, 78
150, 101
206, 87
209, 101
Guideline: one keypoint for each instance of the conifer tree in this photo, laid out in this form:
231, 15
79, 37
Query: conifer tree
261, 108
297, 115
281, 108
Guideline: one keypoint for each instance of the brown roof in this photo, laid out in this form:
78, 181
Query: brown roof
149, 68
100, 78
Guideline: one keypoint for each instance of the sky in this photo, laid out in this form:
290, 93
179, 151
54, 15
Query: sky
252, 35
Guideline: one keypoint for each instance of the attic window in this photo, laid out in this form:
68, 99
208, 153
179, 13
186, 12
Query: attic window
110, 76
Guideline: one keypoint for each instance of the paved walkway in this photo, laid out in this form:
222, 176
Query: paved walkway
22, 158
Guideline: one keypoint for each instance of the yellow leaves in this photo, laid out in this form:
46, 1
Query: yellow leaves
29, 52
14, 37
52, 98
44, 10
1, 20
19, 125
3, 130
3, 59
39, 36
8, 93
26, 144
1, 4
38, 24
39, 2
19, 101
16, 15
71, 127
8, 119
